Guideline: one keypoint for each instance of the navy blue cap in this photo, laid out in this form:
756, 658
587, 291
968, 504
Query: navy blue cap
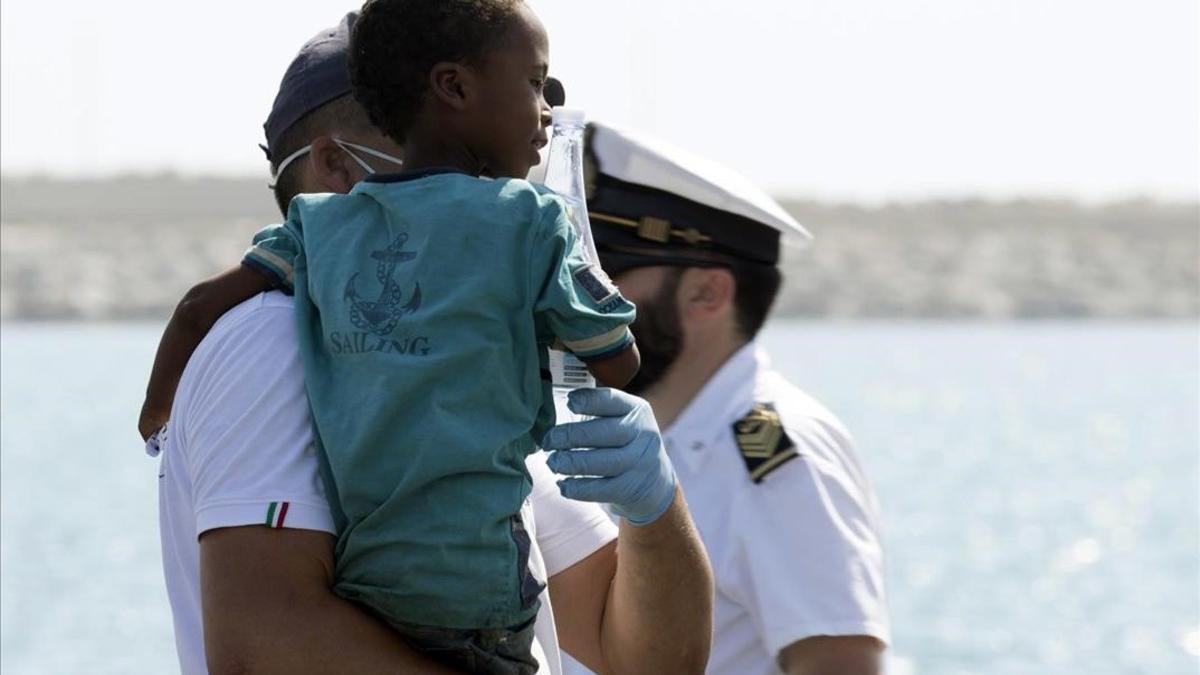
315, 77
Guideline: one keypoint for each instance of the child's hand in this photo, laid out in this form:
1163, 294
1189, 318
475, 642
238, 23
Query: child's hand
151, 420
620, 451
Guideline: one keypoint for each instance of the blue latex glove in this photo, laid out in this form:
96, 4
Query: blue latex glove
620, 453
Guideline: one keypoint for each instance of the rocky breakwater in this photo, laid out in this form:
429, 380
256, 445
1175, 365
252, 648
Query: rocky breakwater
1024, 259
129, 247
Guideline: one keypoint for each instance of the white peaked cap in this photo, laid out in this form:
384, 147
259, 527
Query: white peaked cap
639, 159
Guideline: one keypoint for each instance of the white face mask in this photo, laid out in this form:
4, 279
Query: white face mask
345, 146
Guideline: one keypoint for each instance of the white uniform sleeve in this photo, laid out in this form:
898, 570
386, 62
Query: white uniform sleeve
567, 530
807, 556
248, 435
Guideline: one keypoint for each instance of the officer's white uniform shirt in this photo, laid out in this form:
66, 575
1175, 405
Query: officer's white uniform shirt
796, 555
239, 452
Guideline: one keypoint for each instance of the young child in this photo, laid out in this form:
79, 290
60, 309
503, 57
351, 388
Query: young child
425, 303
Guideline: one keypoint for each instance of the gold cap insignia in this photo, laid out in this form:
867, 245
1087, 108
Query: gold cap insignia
763, 442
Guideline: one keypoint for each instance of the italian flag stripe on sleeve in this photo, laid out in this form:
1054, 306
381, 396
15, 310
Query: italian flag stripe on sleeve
276, 512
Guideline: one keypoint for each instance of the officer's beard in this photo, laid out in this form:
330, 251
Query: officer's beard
658, 334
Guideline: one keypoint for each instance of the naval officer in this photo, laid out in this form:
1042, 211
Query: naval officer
771, 476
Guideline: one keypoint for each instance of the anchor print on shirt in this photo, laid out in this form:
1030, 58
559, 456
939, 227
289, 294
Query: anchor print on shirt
381, 315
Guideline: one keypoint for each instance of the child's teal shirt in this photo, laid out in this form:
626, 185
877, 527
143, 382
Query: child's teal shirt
426, 303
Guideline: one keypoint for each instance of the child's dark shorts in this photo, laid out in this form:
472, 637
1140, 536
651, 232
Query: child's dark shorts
500, 651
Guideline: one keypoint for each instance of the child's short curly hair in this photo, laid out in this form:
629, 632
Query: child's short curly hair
396, 42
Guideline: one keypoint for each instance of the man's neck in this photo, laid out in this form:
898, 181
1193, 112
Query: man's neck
697, 363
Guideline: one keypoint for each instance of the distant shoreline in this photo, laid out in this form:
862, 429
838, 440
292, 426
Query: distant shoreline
127, 248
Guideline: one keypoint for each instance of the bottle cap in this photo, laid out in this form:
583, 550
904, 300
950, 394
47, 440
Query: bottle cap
573, 116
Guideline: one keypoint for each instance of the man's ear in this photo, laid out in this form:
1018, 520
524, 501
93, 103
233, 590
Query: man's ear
451, 83
706, 292
333, 170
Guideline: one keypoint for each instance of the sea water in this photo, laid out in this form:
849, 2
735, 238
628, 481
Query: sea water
1038, 483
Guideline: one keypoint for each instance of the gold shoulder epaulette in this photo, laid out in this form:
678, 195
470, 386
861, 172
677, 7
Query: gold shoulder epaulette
764, 444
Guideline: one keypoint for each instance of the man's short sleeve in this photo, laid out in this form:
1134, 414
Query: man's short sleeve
273, 252
567, 530
245, 429
808, 559
575, 299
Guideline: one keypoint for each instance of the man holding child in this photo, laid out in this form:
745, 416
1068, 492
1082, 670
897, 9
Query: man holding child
801, 599
233, 449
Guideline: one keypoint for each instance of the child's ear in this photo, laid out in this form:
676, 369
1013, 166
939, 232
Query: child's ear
451, 83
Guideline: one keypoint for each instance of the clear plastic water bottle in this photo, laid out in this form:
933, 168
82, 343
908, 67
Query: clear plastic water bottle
564, 175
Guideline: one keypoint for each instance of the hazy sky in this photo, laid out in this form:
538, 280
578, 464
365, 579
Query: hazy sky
868, 99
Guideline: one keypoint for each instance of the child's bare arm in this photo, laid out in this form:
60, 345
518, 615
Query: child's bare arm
617, 370
194, 316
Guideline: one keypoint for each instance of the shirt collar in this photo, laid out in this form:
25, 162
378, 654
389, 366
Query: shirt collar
727, 395
415, 174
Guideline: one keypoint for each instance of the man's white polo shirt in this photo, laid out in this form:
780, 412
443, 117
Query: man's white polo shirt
239, 452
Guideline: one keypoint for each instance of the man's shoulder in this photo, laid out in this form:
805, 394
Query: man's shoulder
259, 325
262, 309
801, 460
798, 410
785, 423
